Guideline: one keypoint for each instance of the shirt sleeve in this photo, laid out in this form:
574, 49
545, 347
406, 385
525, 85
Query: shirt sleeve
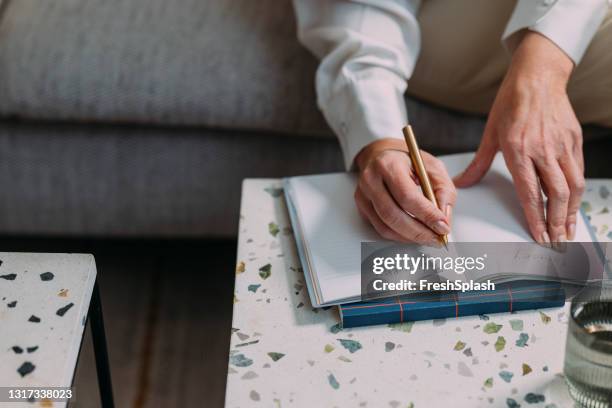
570, 24
368, 49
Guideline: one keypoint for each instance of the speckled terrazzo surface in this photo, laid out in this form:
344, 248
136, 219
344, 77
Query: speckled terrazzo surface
44, 299
285, 354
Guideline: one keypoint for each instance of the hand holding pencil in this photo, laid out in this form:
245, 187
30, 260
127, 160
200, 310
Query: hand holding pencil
389, 194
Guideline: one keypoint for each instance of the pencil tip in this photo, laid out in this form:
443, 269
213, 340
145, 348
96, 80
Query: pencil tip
444, 241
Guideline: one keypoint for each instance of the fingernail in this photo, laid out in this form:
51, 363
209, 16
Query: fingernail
560, 243
545, 239
571, 231
448, 212
441, 227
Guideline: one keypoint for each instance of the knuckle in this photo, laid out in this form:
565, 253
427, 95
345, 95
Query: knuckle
451, 193
537, 224
516, 143
411, 194
547, 157
405, 192
398, 162
533, 198
366, 184
361, 187
513, 136
422, 237
367, 175
557, 222
560, 193
437, 165
521, 169
429, 217
545, 154
568, 147
578, 144
409, 197
540, 225
578, 186
531, 191
381, 163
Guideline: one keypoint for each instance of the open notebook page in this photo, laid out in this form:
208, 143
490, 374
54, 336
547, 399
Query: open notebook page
328, 233
329, 230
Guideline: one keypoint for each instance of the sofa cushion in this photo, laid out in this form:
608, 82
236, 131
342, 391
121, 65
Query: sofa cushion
135, 181
215, 63
225, 63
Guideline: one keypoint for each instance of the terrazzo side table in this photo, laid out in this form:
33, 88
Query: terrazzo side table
284, 353
45, 301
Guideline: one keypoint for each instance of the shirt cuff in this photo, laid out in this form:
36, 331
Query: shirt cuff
366, 110
570, 24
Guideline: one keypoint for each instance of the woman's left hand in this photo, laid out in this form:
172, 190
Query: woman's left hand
532, 122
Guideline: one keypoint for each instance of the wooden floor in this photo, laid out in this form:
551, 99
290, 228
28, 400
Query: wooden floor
167, 308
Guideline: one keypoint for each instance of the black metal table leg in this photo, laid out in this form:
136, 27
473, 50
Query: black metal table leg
98, 335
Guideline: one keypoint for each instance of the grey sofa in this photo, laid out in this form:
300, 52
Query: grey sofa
142, 117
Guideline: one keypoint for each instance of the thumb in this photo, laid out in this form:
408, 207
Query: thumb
480, 164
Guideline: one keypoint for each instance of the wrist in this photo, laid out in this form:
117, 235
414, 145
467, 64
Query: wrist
539, 61
372, 150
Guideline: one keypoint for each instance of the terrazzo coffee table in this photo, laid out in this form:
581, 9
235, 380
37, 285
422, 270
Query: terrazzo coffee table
284, 353
45, 301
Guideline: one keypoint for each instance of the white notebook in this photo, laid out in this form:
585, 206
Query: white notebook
329, 230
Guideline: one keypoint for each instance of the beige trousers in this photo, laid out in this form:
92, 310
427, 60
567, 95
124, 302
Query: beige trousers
463, 62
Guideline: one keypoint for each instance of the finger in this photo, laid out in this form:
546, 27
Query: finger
558, 195
479, 165
444, 189
408, 195
575, 181
530, 196
578, 155
365, 208
393, 216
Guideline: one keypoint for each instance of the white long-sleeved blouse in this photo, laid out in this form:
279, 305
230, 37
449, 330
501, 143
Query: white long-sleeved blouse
368, 50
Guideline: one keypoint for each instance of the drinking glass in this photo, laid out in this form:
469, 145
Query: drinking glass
588, 352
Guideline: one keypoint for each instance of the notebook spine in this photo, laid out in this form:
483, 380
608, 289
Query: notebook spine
411, 308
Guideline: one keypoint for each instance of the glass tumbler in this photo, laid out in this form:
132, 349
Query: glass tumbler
588, 351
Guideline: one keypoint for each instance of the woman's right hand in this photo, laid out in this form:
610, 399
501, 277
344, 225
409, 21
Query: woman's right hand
389, 197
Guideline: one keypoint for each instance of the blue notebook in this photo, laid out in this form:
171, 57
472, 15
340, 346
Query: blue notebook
508, 297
